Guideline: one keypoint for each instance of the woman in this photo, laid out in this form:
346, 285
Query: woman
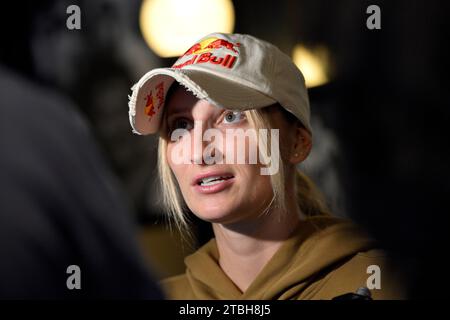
274, 236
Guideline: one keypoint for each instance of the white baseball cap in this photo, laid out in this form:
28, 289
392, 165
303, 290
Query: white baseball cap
232, 71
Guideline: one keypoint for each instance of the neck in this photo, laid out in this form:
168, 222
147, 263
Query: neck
246, 247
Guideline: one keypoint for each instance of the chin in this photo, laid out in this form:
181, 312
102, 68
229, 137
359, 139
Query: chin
215, 213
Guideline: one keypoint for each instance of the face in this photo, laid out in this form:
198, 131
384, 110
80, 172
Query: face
220, 193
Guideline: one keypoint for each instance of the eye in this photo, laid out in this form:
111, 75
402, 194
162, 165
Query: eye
179, 123
233, 117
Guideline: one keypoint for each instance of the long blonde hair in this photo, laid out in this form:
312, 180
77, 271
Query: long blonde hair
309, 198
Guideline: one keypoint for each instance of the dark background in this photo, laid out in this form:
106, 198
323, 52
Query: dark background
383, 117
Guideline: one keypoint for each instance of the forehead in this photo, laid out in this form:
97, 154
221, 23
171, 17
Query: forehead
179, 99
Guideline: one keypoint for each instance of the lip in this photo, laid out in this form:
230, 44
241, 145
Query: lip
197, 178
214, 188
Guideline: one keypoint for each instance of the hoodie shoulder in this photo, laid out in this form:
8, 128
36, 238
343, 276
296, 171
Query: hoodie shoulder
177, 288
365, 269
340, 258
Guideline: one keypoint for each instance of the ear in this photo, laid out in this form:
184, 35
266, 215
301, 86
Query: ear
301, 146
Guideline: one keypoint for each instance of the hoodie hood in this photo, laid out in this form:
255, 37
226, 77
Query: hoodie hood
318, 245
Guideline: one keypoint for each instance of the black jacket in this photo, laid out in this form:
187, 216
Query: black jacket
59, 204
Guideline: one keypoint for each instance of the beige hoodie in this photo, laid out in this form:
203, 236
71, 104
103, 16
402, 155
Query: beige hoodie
324, 258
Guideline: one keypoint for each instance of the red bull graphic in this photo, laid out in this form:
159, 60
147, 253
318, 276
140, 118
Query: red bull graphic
192, 50
160, 94
149, 108
200, 53
226, 61
220, 43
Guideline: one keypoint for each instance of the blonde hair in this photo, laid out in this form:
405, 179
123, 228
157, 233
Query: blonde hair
309, 198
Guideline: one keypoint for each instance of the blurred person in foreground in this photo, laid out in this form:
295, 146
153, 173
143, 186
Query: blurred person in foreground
60, 205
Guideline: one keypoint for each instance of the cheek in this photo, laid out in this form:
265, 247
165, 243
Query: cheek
177, 169
263, 185
257, 193
254, 185
240, 149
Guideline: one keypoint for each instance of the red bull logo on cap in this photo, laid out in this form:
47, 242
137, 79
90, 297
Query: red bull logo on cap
202, 52
149, 108
210, 44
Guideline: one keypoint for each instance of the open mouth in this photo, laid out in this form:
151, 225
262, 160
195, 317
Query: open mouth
210, 181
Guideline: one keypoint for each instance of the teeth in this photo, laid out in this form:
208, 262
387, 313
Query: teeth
209, 181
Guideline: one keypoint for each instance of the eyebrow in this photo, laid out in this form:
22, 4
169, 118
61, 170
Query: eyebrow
187, 111
176, 113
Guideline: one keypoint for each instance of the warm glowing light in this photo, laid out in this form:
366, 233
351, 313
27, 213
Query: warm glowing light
171, 26
314, 64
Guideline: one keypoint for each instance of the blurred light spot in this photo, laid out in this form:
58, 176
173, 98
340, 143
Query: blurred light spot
170, 27
314, 64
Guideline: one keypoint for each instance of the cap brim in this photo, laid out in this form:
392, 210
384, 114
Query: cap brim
231, 94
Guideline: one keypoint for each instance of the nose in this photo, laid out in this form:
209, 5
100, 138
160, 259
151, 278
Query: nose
203, 152
197, 142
